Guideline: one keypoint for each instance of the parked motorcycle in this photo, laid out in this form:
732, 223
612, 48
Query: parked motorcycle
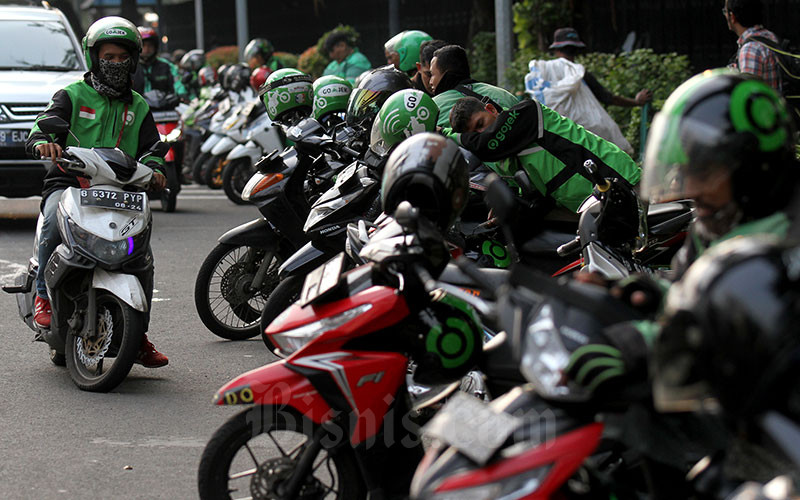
94, 277
167, 119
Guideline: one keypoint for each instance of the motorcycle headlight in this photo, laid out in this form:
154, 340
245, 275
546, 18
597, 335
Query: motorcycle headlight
292, 340
516, 486
111, 252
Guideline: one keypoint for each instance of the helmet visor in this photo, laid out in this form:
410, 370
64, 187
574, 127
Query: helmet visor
684, 157
376, 142
363, 104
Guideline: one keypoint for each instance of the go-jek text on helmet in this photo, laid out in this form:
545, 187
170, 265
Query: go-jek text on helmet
112, 29
330, 96
722, 123
370, 94
429, 171
405, 113
286, 90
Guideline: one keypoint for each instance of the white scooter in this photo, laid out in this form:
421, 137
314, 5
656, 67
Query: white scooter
97, 277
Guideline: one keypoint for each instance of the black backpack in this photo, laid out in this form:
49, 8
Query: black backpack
788, 58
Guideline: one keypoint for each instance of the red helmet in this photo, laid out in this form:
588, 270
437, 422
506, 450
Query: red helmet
149, 34
259, 76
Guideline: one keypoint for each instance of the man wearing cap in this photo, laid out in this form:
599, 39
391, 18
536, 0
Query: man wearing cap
566, 44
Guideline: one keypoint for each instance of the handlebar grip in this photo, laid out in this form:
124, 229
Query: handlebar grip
427, 280
591, 169
569, 248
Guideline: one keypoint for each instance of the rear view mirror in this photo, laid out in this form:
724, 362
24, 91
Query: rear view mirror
407, 216
159, 149
53, 125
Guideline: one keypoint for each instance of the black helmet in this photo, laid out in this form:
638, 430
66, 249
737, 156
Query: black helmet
730, 330
237, 77
193, 60
722, 126
429, 171
258, 47
370, 94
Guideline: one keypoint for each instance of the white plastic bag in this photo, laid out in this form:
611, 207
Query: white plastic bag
558, 84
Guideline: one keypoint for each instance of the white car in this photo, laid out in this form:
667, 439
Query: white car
40, 56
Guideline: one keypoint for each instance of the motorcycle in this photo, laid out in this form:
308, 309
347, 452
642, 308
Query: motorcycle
95, 276
340, 406
227, 105
241, 271
167, 119
234, 131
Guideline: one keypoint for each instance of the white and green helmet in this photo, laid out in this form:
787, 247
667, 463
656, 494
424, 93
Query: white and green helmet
285, 90
111, 29
330, 95
405, 113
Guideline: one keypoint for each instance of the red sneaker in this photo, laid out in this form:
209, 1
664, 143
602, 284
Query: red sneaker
149, 357
42, 312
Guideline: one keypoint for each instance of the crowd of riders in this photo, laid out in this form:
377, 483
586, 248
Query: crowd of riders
722, 323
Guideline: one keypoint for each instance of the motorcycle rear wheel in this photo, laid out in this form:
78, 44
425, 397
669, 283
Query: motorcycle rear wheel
198, 174
234, 178
256, 451
222, 294
87, 360
212, 171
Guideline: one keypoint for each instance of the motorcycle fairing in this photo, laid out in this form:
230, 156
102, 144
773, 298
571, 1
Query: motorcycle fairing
104, 222
125, 286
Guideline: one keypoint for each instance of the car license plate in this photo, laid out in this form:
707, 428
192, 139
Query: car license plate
13, 138
472, 426
112, 199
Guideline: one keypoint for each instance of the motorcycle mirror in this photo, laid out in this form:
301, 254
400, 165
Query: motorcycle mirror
407, 216
160, 149
499, 197
524, 182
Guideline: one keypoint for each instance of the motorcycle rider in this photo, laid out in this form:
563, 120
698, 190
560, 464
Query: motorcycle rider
549, 147
426, 51
259, 52
190, 64
402, 52
153, 72
104, 96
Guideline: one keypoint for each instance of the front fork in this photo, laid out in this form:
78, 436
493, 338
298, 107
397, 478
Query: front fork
258, 279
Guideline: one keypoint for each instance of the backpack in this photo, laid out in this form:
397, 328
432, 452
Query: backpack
788, 58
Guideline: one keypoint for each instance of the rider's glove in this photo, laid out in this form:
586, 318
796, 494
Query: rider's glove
605, 367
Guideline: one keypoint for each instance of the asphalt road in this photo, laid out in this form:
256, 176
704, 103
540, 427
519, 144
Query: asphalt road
144, 440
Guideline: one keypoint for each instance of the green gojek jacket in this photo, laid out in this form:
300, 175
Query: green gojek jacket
97, 121
551, 149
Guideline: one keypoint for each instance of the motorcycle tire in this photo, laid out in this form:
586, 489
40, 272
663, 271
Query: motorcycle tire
234, 178
285, 294
227, 467
126, 327
212, 172
198, 174
222, 295
169, 200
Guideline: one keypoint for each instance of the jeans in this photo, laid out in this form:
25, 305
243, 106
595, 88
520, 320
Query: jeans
49, 238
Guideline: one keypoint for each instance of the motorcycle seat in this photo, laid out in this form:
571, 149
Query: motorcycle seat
662, 212
546, 242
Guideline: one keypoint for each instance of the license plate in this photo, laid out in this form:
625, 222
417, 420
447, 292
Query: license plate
113, 199
472, 426
13, 138
322, 280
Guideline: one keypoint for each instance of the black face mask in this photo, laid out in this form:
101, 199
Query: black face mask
112, 79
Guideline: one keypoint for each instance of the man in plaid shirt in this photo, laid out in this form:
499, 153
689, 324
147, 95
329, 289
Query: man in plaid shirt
744, 19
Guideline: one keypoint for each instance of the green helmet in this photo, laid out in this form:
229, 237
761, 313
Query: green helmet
408, 48
286, 90
330, 95
721, 124
405, 113
111, 29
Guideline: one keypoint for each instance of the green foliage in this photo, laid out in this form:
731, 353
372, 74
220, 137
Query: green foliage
516, 71
312, 62
228, 54
354, 38
287, 59
535, 20
483, 57
627, 74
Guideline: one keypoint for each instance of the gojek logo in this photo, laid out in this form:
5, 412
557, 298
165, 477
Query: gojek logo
116, 32
500, 136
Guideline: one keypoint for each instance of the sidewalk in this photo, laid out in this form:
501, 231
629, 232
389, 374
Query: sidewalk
20, 208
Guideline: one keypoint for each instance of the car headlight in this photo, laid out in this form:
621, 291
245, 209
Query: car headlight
292, 340
517, 486
111, 252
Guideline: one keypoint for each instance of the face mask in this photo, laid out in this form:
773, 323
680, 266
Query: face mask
115, 75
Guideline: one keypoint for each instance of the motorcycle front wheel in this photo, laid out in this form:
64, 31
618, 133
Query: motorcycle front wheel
101, 362
234, 178
213, 171
223, 294
256, 452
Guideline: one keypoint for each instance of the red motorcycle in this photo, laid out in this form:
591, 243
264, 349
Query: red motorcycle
167, 119
339, 416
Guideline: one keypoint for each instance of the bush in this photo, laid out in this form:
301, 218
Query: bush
312, 62
287, 59
228, 54
483, 57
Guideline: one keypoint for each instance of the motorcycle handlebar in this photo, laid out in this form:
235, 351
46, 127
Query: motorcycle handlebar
569, 248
